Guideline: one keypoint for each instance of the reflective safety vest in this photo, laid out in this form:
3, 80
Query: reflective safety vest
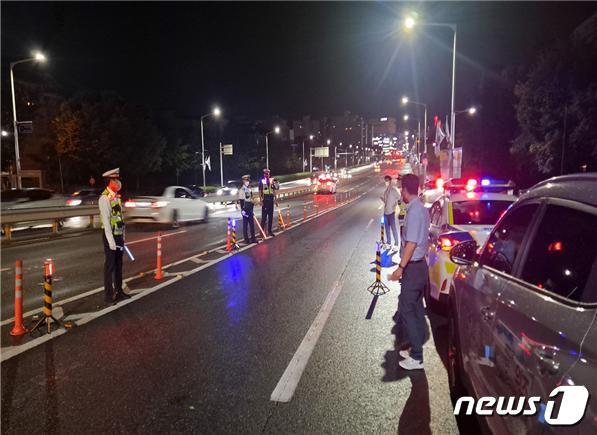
116, 218
267, 186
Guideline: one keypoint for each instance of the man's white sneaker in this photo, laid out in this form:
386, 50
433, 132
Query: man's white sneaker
404, 353
411, 364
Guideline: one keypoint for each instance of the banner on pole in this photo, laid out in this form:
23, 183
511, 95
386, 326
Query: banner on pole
227, 149
321, 152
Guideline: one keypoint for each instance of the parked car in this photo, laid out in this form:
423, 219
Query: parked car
524, 308
455, 218
176, 204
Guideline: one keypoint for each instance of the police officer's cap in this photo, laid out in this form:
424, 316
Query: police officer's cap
246, 177
112, 173
266, 170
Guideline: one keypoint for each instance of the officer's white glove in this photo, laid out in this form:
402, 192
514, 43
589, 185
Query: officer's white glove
112, 246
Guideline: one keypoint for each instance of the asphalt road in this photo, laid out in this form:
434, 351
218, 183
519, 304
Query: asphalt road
79, 257
206, 353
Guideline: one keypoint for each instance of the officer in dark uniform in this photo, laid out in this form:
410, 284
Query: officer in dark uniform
112, 220
245, 200
267, 195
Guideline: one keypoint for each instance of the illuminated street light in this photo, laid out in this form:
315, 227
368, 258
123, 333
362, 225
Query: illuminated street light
37, 57
404, 100
405, 117
472, 110
216, 112
276, 130
409, 24
4, 133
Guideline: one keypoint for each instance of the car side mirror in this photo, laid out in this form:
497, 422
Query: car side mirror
464, 253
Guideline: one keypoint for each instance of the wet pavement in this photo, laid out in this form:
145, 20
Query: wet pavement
205, 353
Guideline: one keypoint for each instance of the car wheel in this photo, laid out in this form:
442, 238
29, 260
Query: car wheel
174, 221
454, 359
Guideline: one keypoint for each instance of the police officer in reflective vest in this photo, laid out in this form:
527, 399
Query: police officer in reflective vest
245, 199
112, 220
267, 195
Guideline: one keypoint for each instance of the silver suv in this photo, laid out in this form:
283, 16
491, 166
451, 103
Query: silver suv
524, 308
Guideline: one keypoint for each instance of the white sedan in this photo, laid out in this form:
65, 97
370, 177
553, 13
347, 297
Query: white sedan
177, 204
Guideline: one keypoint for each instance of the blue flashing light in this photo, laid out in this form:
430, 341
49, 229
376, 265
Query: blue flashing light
485, 182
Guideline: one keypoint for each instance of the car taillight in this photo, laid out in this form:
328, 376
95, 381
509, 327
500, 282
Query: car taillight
471, 184
130, 204
159, 204
446, 243
73, 202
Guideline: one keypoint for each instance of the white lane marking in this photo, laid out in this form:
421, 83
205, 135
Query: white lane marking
198, 260
12, 351
292, 375
369, 224
155, 237
8, 353
5, 269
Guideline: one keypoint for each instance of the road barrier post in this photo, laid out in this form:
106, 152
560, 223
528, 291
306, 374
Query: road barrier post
378, 287
316, 209
18, 328
47, 311
234, 244
383, 232
288, 216
158, 270
304, 212
281, 224
228, 235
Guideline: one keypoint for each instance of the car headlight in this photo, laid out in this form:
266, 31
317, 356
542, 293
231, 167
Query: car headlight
234, 191
219, 192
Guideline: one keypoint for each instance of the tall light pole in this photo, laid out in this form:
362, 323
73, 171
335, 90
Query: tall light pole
328, 143
215, 113
405, 100
37, 57
311, 139
409, 24
275, 130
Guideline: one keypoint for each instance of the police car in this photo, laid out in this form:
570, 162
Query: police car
463, 212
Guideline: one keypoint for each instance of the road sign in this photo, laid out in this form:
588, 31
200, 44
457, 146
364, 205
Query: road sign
321, 152
25, 127
227, 149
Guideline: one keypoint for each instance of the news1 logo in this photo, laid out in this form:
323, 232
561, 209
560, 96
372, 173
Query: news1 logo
572, 405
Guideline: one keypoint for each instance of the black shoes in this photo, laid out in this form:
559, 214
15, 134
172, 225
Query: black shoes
272, 234
121, 296
254, 241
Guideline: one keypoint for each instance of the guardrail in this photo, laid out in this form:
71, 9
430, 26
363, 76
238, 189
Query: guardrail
56, 214
50, 214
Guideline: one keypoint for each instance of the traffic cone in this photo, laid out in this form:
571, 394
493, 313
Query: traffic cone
234, 244
288, 216
228, 234
18, 328
304, 212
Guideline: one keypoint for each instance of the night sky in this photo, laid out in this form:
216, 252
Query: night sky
290, 59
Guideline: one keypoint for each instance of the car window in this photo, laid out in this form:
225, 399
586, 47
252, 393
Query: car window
503, 244
478, 212
181, 193
436, 214
562, 256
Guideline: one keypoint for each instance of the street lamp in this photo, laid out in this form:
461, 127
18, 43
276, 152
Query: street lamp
4, 133
405, 101
215, 113
410, 23
405, 117
471, 111
37, 57
311, 139
276, 130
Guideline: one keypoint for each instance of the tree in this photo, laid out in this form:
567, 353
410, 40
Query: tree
557, 104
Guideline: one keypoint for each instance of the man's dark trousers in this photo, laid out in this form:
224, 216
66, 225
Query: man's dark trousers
411, 311
112, 268
267, 212
248, 221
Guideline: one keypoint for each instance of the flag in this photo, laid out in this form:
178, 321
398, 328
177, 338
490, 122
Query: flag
208, 162
439, 136
448, 138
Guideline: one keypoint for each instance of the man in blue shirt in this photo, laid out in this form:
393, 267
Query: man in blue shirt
413, 272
